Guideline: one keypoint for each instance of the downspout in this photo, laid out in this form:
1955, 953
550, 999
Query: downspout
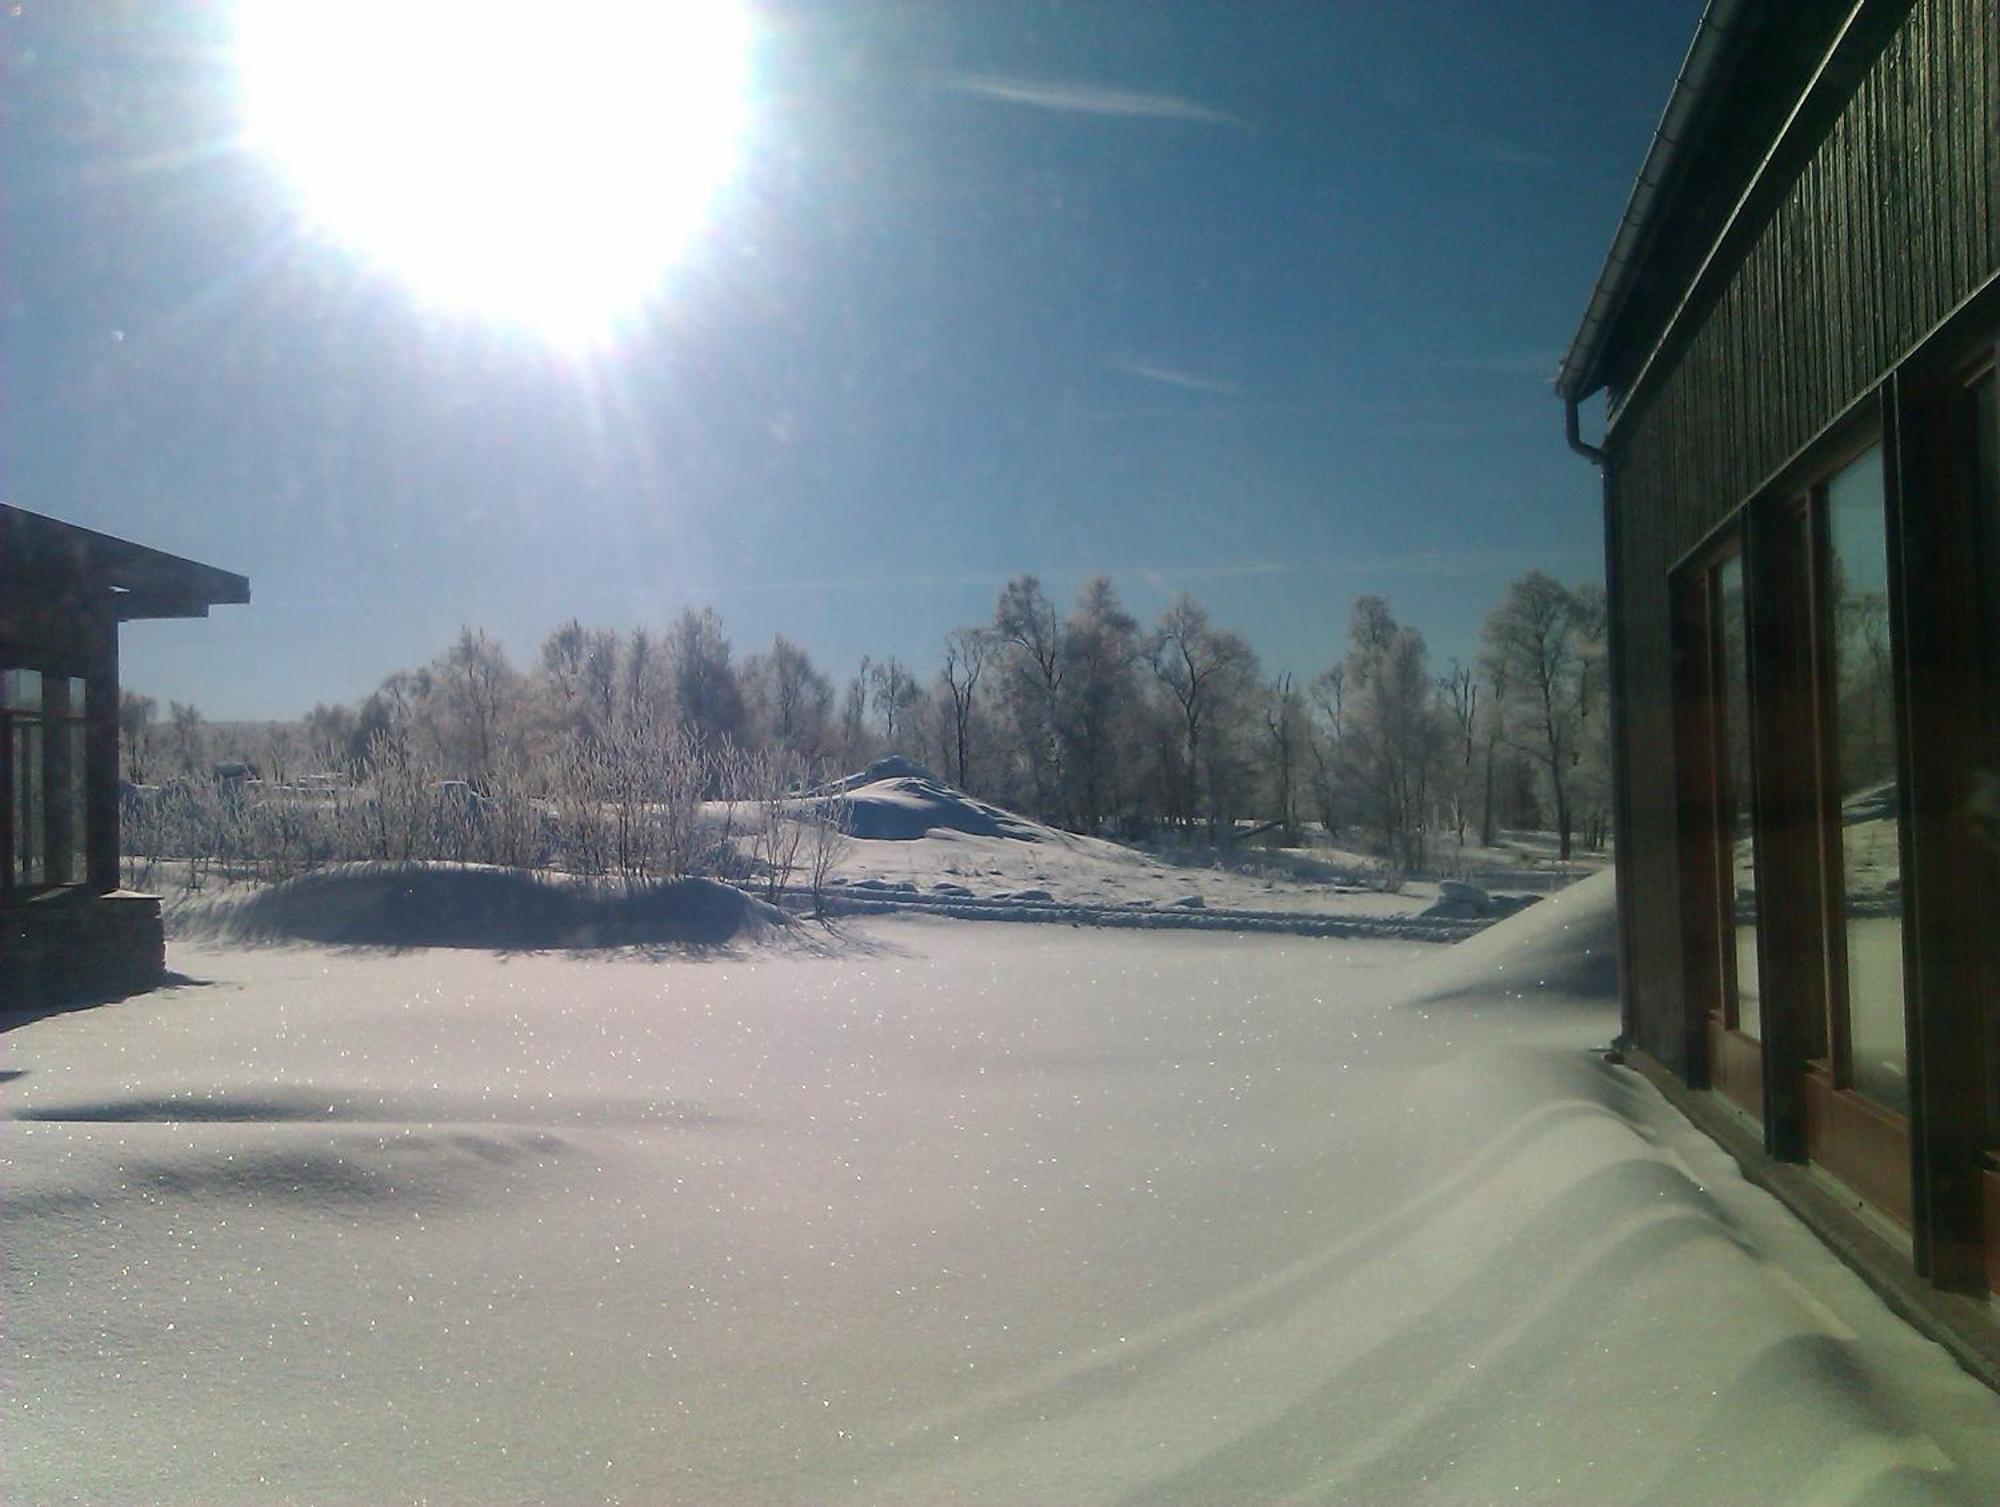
1573, 432
1614, 598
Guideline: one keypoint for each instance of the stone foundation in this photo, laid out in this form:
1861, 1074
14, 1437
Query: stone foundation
67, 946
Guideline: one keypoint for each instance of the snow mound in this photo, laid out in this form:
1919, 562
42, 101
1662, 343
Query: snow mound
902, 808
1566, 945
893, 767
446, 905
1458, 900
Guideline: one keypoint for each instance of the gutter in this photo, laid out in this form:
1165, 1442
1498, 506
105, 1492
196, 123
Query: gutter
1577, 378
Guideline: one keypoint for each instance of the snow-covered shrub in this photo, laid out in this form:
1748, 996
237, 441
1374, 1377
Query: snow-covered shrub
773, 775
829, 823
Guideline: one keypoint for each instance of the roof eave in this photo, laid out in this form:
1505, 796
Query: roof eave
1581, 373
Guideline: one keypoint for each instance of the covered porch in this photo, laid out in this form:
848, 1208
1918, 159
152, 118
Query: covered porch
67, 931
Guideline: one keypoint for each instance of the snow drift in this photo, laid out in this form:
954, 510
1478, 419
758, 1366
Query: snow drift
1565, 945
453, 905
994, 1214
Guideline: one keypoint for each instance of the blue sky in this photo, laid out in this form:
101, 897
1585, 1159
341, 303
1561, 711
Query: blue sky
1256, 300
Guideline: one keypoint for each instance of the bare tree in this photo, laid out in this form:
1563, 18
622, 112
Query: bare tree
771, 776
1098, 648
1285, 727
828, 840
1531, 640
1327, 696
895, 692
1460, 688
964, 659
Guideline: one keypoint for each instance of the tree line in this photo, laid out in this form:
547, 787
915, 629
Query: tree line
1084, 718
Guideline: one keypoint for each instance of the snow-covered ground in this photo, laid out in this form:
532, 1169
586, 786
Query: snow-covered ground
943, 1212
941, 845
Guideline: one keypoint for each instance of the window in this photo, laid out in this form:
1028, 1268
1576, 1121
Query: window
1725, 978
1737, 842
1984, 425
42, 765
21, 707
1861, 864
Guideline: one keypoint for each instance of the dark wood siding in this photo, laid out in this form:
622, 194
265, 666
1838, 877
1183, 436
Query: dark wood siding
1890, 224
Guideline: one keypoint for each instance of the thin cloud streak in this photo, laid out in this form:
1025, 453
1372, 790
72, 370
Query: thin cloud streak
1074, 98
1539, 363
1492, 149
1171, 376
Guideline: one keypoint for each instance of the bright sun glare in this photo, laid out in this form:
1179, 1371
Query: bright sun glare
533, 164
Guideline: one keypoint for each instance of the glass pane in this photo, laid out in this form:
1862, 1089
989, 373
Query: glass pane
27, 801
21, 690
1986, 472
1865, 775
79, 862
1740, 876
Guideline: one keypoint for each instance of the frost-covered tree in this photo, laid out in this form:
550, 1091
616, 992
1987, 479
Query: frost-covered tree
1392, 735
1025, 624
187, 736
1459, 691
1532, 642
895, 694
1325, 697
706, 698
561, 664
1287, 734
1210, 675
473, 700
576, 680
328, 734
788, 702
853, 747
644, 692
135, 735
1095, 690
1592, 797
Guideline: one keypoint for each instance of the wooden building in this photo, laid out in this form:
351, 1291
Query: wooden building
1794, 334
66, 929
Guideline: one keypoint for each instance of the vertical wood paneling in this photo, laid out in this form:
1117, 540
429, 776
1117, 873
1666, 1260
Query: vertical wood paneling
1889, 225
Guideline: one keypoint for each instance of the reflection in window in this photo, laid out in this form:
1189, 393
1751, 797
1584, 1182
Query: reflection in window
1739, 876
43, 740
1986, 796
21, 712
1858, 679
76, 798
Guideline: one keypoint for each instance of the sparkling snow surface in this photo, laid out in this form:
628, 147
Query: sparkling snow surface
960, 1212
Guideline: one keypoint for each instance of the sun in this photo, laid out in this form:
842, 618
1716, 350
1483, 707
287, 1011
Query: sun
539, 165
